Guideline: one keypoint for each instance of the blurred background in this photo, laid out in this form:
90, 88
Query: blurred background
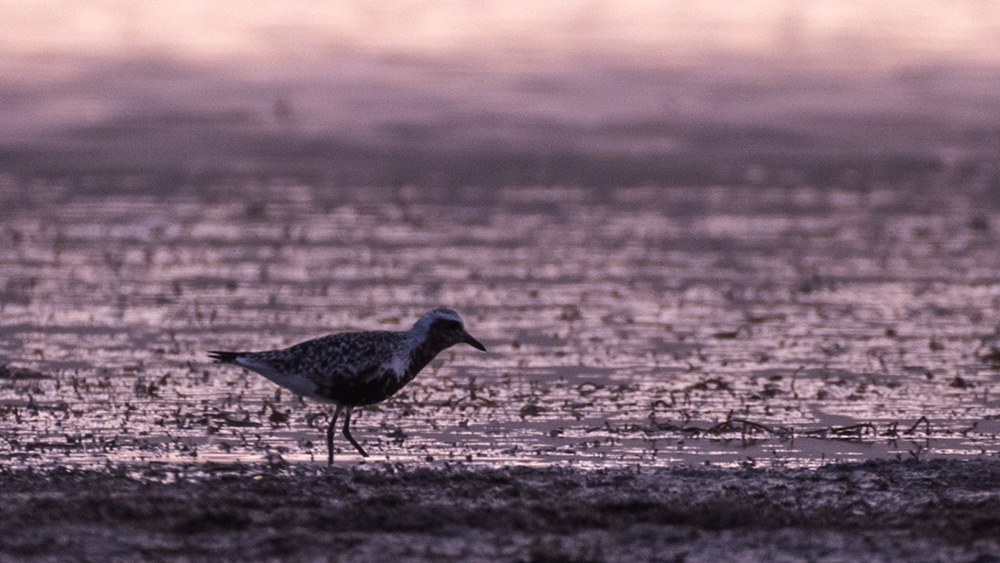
496, 93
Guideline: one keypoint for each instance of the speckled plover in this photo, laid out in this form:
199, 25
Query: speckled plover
353, 369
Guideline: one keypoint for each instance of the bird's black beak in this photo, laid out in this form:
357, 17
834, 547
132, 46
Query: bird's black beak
468, 339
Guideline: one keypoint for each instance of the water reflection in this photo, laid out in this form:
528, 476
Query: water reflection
673, 325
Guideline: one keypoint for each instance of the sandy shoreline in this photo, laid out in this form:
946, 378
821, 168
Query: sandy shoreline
928, 511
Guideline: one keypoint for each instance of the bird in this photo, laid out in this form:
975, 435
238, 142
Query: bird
355, 369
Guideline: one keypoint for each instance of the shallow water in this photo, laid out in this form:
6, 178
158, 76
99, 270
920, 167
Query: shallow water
636, 326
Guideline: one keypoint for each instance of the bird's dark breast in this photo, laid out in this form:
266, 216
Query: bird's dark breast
367, 388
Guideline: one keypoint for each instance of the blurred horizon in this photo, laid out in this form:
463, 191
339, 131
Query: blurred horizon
876, 35
237, 85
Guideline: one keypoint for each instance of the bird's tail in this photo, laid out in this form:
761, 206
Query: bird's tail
224, 357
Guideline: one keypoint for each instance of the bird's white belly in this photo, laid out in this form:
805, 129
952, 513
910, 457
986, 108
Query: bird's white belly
294, 382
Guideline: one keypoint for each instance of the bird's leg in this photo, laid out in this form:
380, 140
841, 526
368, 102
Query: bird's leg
347, 432
329, 434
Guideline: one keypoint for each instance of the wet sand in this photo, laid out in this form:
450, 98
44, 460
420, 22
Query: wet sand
654, 326
635, 336
874, 511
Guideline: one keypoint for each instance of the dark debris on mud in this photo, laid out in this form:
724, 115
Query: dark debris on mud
930, 510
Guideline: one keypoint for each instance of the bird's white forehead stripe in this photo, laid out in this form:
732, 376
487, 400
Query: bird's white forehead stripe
447, 314
442, 313
439, 314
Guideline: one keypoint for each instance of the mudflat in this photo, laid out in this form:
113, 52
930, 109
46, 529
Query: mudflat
937, 510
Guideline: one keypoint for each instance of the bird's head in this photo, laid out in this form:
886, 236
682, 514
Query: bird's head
445, 327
